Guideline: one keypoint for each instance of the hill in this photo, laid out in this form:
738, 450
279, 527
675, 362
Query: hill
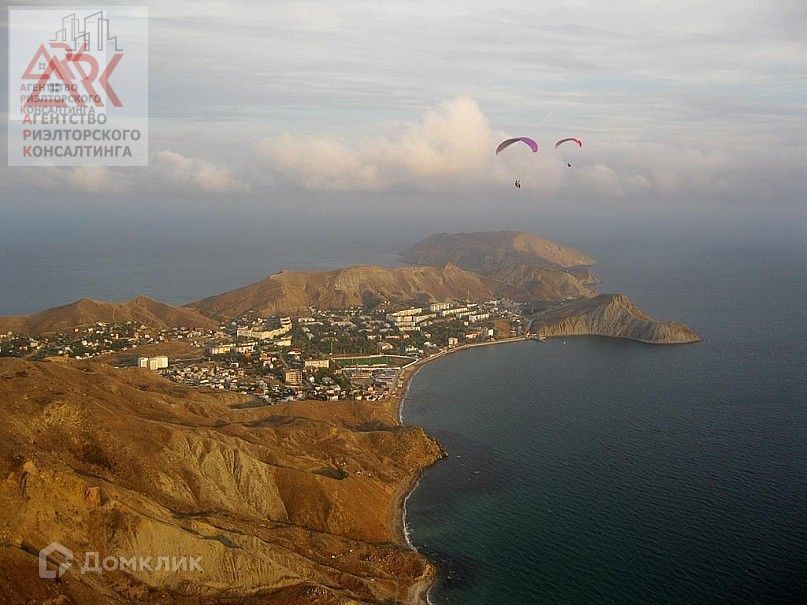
295, 291
545, 269
610, 315
283, 504
541, 283
483, 251
86, 311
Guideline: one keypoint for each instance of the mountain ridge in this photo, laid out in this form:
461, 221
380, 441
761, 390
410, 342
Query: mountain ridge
295, 291
546, 269
86, 311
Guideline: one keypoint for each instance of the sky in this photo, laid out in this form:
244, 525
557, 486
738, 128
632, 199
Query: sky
684, 107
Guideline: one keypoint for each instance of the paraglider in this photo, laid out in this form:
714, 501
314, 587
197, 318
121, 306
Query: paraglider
562, 141
526, 140
569, 140
507, 142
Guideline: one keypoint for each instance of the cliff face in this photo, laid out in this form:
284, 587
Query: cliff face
86, 312
295, 291
284, 504
610, 315
544, 269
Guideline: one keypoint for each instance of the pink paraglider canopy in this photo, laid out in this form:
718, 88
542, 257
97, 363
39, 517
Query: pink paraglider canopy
526, 140
562, 141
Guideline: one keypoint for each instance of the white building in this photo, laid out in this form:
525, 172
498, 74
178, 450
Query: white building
453, 311
399, 316
317, 364
219, 349
153, 363
265, 334
435, 307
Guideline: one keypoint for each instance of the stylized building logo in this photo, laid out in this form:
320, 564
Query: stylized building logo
62, 560
93, 35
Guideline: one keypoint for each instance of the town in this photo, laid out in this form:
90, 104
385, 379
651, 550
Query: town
355, 353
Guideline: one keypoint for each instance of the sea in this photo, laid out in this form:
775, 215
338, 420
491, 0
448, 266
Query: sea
579, 470
592, 470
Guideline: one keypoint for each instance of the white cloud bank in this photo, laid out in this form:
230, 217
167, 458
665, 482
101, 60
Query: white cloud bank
452, 142
196, 173
453, 146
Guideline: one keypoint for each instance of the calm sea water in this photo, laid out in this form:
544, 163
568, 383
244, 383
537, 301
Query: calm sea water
602, 471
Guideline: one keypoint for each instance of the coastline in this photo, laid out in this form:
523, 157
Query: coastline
419, 592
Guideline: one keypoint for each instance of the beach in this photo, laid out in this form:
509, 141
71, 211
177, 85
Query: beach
419, 593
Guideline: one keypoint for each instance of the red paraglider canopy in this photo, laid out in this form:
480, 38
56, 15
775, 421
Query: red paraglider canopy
578, 141
526, 140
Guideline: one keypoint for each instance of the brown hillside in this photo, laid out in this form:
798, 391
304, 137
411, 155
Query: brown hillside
284, 504
541, 283
483, 251
86, 312
610, 315
295, 291
545, 269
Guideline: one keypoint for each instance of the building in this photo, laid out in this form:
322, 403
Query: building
219, 349
153, 363
317, 364
405, 316
453, 311
293, 378
247, 347
266, 334
452, 341
435, 307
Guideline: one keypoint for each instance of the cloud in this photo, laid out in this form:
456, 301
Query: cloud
167, 170
196, 173
672, 98
321, 164
452, 145
95, 179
